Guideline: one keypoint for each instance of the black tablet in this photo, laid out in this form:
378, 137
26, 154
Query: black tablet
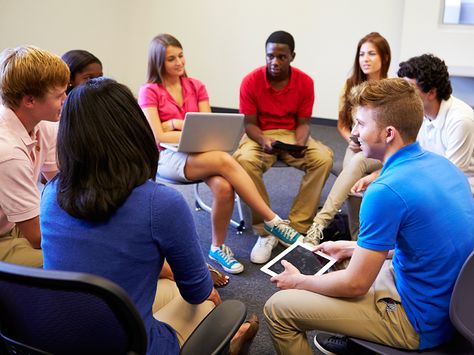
303, 258
288, 147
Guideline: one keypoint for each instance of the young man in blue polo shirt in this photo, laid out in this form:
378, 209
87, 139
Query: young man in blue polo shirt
419, 213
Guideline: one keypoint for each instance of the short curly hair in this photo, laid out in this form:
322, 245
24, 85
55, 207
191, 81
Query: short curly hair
429, 72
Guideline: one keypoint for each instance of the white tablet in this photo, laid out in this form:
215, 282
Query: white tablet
303, 258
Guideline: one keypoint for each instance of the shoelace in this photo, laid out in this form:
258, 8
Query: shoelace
226, 253
264, 241
286, 230
340, 341
315, 234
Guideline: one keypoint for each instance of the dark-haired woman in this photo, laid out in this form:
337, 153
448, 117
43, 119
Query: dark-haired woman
165, 99
83, 66
102, 214
371, 62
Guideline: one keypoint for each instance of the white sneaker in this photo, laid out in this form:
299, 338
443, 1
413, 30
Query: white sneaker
262, 250
314, 235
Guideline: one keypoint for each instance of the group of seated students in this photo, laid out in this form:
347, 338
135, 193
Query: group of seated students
410, 149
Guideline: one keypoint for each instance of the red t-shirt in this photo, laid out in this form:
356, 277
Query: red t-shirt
277, 109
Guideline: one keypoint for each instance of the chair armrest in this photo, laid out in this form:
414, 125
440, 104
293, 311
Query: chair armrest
214, 333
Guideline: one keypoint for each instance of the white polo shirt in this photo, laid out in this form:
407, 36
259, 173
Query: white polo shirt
451, 135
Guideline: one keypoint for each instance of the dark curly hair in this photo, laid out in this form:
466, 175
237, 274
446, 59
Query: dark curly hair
429, 72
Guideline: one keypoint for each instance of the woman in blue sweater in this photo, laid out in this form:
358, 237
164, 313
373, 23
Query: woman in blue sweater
103, 214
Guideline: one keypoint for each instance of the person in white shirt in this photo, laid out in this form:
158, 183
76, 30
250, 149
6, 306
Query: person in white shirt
448, 123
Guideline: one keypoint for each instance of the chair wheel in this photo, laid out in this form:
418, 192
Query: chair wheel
241, 227
197, 206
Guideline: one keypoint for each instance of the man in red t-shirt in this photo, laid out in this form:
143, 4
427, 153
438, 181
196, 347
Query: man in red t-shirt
277, 101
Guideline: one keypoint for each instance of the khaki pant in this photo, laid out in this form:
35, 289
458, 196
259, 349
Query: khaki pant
169, 307
355, 166
378, 316
316, 164
16, 249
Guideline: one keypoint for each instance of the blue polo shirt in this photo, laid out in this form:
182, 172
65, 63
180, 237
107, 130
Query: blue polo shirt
421, 206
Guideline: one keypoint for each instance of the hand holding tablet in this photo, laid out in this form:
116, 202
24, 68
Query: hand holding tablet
303, 258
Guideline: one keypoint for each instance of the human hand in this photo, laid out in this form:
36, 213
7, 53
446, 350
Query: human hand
166, 272
214, 297
288, 278
178, 124
297, 153
339, 250
174, 124
266, 143
362, 184
354, 146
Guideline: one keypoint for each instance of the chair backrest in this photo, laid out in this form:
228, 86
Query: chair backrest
461, 309
57, 312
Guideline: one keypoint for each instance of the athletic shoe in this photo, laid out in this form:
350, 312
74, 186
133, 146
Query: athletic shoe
262, 250
284, 232
331, 344
314, 235
225, 257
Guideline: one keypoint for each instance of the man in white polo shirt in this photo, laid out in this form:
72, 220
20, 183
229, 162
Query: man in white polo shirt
448, 123
32, 89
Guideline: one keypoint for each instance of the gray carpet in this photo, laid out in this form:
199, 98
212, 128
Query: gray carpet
253, 287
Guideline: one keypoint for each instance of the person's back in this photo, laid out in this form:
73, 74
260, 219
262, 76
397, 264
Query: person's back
129, 248
103, 215
435, 213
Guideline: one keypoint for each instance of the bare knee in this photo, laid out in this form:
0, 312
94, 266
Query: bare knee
221, 188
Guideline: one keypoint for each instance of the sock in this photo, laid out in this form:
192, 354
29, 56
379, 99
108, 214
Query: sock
273, 222
214, 248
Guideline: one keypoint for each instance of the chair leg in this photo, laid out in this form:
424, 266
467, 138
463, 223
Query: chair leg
240, 226
201, 205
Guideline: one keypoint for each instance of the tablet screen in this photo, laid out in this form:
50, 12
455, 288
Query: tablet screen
303, 258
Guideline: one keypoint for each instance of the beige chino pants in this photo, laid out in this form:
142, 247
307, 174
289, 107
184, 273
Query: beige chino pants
378, 316
16, 249
169, 307
316, 164
355, 167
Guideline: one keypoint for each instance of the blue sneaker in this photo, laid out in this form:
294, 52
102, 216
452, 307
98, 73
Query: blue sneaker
283, 231
225, 257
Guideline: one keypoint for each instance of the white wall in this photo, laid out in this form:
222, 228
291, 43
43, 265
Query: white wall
423, 32
58, 26
223, 40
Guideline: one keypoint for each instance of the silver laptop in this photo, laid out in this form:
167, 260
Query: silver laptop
205, 131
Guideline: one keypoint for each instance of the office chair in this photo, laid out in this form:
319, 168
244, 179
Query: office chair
58, 312
199, 204
461, 313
